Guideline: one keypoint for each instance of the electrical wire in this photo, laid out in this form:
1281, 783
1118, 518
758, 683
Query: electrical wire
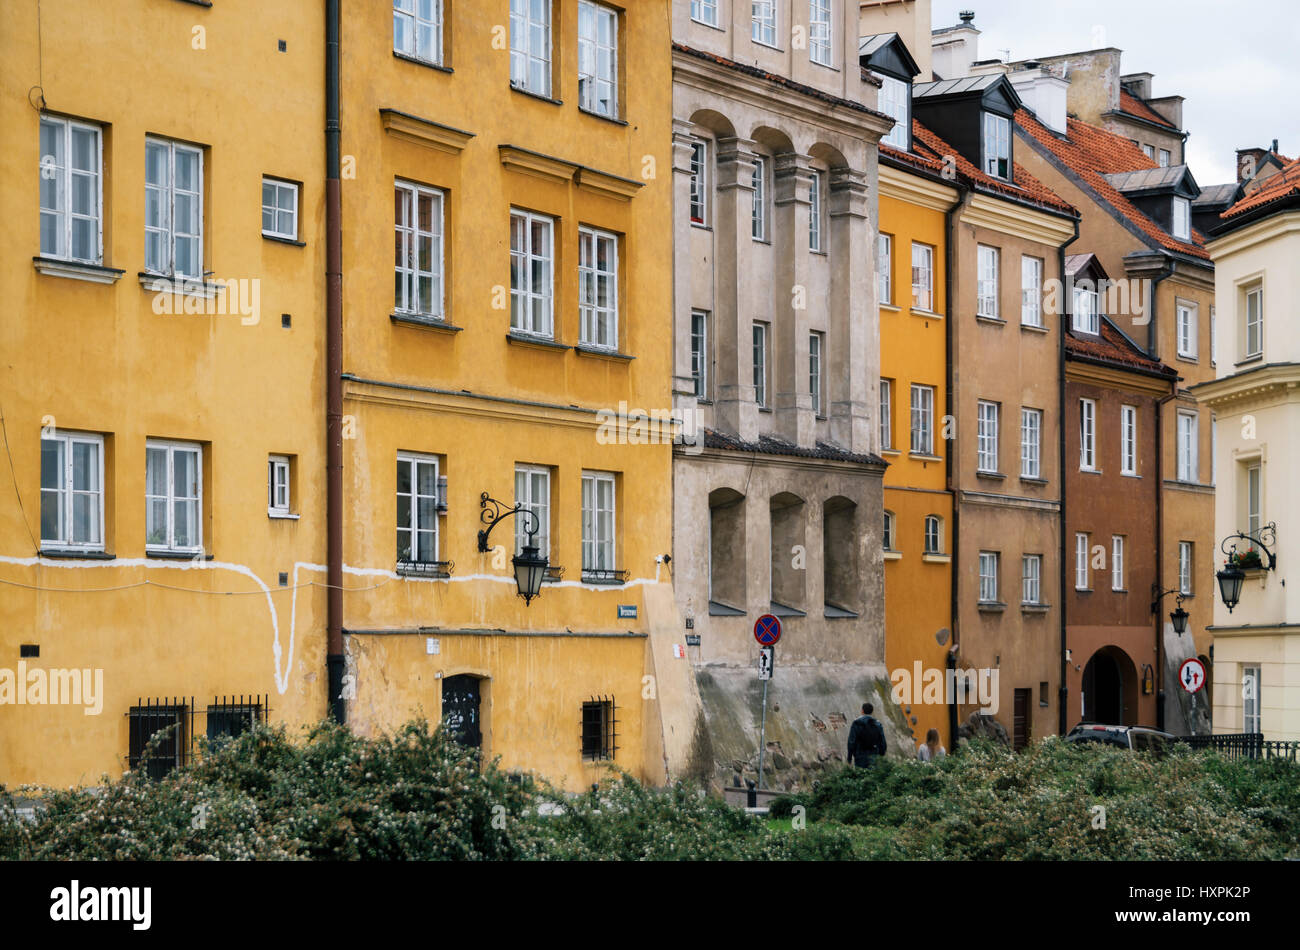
185, 590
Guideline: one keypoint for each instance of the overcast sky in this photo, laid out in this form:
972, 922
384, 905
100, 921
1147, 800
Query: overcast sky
1236, 63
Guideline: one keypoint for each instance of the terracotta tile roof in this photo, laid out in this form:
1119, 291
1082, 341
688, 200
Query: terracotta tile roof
930, 150
1283, 184
771, 445
1134, 106
1114, 348
1092, 153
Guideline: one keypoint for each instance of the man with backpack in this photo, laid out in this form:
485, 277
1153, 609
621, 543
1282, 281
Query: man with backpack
866, 739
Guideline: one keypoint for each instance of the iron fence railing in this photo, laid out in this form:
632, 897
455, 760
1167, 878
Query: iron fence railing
1245, 745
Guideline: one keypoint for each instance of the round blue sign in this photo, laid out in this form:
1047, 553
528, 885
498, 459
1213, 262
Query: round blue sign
767, 630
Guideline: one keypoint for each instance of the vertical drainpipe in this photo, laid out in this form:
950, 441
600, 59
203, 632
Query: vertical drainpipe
948, 404
333, 366
1160, 494
1067, 300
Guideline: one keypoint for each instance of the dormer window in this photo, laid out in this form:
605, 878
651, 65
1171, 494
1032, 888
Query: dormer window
1182, 219
1087, 318
997, 146
895, 102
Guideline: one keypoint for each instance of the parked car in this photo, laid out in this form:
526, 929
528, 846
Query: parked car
1137, 738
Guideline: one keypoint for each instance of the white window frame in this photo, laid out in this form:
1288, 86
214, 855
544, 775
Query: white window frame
986, 445
66, 492
417, 27
1082, 578
821, 32
815, 243
700, 353
1031, 291
278, 500
279, 188
816, 354
1117, 562
1214, 345
988, 577
1031, 579
599, 323
705, 11
1031, 443
888, 531
1164, 158
895, 101
1087, 435
415, 528
1128, 452
598, 59
922, 419
537, 501
1255, 323
1182, 218
522, 299
172, 449
1150, 151
758, 214
933, 535
699, 194
1086, 311
1186, 323
986, 292
885, 269
406, 252
62, 174
167, 191
1186, 555
886, 414
594, 544
996, 145
1251, 701
759, 341
763, 25
1188, 437
1254, 498
523, 56
922, 277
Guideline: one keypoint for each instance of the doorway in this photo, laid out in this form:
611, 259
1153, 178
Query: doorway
461, 709
1110, 688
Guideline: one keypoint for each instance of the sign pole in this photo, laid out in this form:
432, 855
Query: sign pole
762, 736
767, 631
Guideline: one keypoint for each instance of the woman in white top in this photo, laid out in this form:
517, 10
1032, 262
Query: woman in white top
929, 750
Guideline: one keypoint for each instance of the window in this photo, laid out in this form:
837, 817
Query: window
598, 288
1031, 579
1087, 310
884, 268
1186, 320
533, 492
1164, 158
922, 277
530, 46
988, 577
1187, 445
277, 485
1254, 515
1117, 562
700, 353
417, 29
532, 273
597, 522
987, 440
1081, 581
597, 59
279, 209
887, 532
997, 146
1128, 464
758, 217
1250, 700
760, 364
71, 188
598, 730
815, 371
819, 31
705, 11
417, 509
173, 209
1213, 343
764, 22
895, 101
699, 183
1182, 219
815, 212
987, 286
72, 491
1254, 323
1031, 443
886, 414
1087, 435
169, 751
1031, 291
173, 496
417, 250
933, 534
1185, 567
1150, 151
922, 419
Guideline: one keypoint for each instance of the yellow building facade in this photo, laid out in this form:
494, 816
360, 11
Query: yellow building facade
918, 506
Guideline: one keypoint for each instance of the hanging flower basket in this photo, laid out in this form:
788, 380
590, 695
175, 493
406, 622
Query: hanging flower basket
1245, 560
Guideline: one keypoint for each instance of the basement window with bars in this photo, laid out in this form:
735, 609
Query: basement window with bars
146, 722
599, 729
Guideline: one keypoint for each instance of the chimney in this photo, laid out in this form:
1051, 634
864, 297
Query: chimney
1043, 93
955, 48
1248, 162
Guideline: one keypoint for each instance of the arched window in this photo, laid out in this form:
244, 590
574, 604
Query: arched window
933, 534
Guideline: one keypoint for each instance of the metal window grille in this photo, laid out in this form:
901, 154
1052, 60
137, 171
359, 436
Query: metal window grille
599, 729
172, 723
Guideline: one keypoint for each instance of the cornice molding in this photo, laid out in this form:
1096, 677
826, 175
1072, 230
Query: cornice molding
915, 190
1017, 220
1266, 229
562, 171
426, 132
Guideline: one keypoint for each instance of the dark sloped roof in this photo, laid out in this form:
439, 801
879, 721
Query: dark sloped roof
1148, 179
950, 87
770, 445
1077, 262
1217, 194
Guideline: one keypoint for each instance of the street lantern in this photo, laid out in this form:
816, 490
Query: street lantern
529, 564
1230, 581
1232, 576
530, 569
1178, 617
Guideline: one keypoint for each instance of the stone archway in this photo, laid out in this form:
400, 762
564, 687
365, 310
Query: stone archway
1110, 688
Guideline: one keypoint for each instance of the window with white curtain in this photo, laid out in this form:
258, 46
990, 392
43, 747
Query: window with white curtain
173, 496
922, 277
598, 288
988, 563
1031, 291
1081, 581
598, 59
1031, 579
1031, 443
987, 436
533, 492
532, 272
1087, 435
895, 100
1188, 436
71, 190
884, 268
922, 419
1128, 464
987, 289
1117, 562
417, 250
598, 524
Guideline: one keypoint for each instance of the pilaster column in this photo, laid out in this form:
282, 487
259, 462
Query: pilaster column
788, 373
735, 408
853, 320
